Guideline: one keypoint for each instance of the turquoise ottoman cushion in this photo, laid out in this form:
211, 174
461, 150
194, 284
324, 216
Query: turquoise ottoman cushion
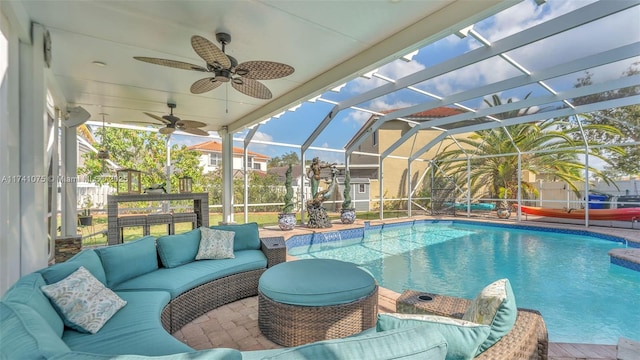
179, 249
316, 282
247, 235
126, 261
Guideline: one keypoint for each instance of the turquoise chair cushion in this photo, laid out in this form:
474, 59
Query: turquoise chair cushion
135, 329
418, 342
125, 261
182, 278
87, 258
463, 337
316, 282
495, 306
24, 334
180, 249
27, 291
212, 354
247, 235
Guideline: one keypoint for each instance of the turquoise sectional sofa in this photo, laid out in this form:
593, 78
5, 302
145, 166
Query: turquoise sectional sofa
164, 288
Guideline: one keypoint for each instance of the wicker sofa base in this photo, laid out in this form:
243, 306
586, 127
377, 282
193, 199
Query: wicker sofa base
292, 325
527, 340
198, 301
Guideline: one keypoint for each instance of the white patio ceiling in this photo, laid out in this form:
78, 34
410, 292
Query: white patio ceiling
327, 42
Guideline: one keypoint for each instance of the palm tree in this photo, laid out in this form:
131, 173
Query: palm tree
545, 147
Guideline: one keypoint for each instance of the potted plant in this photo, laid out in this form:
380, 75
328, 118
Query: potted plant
85, 218
287, 218
347, 213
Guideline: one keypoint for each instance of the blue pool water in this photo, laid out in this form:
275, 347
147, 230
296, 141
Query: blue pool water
567, 277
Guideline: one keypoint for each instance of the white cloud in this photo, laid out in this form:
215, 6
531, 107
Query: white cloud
259, 135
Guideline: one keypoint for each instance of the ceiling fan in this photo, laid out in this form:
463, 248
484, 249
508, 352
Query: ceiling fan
243, 77
173, 123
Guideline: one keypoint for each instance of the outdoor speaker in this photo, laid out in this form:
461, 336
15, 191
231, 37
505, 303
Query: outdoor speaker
76, 116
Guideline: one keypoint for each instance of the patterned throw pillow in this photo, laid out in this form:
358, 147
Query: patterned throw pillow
495, 306
215, 244
85, 303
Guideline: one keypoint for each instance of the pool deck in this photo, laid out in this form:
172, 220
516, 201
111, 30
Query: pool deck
235, 325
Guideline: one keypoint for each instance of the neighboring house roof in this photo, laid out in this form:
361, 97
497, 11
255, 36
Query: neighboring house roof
280, 171
214, 146
439, 112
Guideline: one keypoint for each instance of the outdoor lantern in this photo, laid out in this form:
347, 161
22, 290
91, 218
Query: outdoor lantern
129, 181
185, 184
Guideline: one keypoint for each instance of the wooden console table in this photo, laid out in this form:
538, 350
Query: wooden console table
200, 208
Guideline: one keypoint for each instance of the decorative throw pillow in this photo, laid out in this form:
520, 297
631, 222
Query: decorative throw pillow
495, 306
463, 337
215, 244
84, 302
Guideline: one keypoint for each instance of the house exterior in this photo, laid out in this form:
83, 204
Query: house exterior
211, 157
395, 170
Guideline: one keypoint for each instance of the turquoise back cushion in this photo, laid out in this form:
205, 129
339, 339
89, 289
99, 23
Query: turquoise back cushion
495, 306
87, 258
463, 337
126, 261
27, 291
26, 335
176, 250
211, 354
407, 343
247, 235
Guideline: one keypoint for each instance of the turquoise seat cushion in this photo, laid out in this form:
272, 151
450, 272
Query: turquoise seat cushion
316, 282
247, 235
27, 291
182, 278
125, 261
212, 354
463, 337
495, 306
180, 249
24, 334
418, 342
135, 329
87, 258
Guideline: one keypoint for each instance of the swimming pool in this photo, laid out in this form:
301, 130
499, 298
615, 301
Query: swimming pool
567, 276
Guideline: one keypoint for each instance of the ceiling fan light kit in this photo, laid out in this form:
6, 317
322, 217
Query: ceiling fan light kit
225, 69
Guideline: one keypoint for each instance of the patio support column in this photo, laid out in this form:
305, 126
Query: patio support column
409, 192
32, 155
380, 182
9, 158
245, 166
227, 175
69, 191
303, 190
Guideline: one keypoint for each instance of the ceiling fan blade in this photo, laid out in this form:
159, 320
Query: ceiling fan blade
163, 121
252, 88
195, 131
166, 130
209, 52
171, 63
190, 124
263, 70
204, 85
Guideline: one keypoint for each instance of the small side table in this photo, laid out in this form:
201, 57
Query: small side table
418, 302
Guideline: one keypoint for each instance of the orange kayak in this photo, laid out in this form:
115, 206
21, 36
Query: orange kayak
622, 214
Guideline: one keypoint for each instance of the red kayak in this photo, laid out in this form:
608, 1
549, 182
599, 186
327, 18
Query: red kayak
622, 214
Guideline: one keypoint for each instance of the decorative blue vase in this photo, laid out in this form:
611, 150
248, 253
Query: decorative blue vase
347, 216
287, 221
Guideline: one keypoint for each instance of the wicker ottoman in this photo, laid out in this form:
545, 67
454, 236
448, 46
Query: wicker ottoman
315, 299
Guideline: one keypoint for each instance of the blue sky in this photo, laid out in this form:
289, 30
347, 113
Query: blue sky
294, 127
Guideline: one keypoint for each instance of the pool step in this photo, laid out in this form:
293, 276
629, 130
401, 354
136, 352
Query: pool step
628, 349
